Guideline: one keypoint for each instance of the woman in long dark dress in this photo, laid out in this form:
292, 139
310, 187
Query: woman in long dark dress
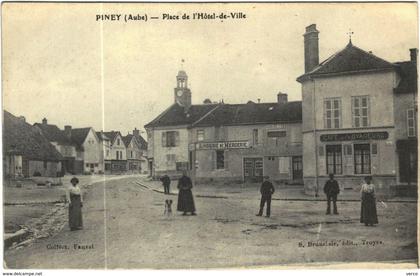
368, 214
75, 200
185, 196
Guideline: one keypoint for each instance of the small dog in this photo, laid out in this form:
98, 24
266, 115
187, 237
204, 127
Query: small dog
168, 208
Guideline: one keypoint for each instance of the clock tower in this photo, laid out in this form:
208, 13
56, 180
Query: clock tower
182, 92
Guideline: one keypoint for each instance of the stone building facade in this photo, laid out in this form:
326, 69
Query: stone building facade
350, 122
227, 142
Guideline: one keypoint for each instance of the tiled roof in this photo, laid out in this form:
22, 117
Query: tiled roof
54, 134
177, 115
127, 139
78, 135
230, 114
253, 113
408, 72
141, 142
101, 136
21, 137
112, 135
349, 60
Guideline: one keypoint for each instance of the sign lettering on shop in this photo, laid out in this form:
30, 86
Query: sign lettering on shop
379, 135
223, 145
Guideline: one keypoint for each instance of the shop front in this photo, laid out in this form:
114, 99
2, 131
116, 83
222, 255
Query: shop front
351, 156
240, 161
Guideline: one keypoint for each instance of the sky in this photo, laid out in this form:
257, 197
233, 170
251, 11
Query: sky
62, 64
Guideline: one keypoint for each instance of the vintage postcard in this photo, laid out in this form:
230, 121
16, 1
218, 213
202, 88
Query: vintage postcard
209, 135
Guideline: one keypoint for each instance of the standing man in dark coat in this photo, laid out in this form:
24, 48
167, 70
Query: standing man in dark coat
166, 182
266, 190
331, 189
185, 196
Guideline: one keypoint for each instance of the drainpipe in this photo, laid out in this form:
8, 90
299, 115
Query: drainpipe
315, 139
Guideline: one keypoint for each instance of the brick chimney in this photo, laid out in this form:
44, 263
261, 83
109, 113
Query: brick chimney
311, 48
281, 98
136, 132
67, 131
22, 118
413, 55
44, 121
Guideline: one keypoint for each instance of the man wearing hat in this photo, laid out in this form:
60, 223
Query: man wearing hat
331, 189
266, 190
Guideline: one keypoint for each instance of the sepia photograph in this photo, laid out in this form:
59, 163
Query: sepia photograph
209, 135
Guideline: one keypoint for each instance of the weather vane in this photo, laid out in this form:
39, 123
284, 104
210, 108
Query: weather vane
182, 64
350, 33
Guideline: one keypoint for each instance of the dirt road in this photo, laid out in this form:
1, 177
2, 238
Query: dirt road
127, 229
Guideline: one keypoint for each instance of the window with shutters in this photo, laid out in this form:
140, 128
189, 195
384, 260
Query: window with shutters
332, 113
411, 123
360, 111
334, 159
170, 139
220, 159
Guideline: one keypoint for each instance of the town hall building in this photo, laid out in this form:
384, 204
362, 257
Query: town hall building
227, 142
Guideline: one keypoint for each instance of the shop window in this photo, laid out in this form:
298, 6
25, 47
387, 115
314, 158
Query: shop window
360, 111
411, 123
220, 159
200, 134
255, 136
362, 159
332, 113
170, 139
334, 159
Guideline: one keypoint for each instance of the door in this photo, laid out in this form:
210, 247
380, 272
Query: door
25, 168
253, 169
407, 157
297, 167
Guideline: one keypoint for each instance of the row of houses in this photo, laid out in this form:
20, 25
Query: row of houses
357, 117
43, 149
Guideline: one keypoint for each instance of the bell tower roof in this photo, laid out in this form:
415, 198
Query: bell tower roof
182, 74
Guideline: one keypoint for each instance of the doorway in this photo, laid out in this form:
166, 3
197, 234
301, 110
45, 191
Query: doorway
253, 169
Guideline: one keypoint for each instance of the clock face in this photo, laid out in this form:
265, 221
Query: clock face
179, 93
